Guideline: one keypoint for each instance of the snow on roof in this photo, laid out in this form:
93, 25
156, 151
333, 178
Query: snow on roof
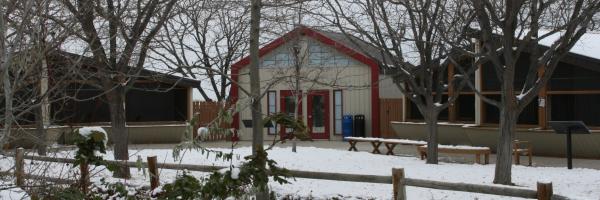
588, 45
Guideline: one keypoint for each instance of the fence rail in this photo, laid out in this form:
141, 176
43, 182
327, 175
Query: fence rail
398, 180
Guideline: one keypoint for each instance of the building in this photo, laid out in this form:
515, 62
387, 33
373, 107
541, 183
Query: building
335, 78
158, 105
572, 94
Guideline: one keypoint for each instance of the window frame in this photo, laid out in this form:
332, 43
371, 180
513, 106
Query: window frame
341, 96
272, 130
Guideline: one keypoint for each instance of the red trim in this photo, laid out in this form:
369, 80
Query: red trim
327, 118
235, 69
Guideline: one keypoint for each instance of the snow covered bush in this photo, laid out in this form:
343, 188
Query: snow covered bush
91, 144
233, 182
184, 187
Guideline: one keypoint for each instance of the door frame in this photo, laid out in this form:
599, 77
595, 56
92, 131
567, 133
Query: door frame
282, 95
327, 123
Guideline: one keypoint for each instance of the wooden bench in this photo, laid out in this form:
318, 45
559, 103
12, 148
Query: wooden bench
522, 147
390, 144
375, 142
477, 151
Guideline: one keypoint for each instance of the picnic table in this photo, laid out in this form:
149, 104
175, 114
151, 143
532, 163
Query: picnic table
375, 142
390, 144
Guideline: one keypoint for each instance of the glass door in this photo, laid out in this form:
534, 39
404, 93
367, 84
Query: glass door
289, 107
318, 114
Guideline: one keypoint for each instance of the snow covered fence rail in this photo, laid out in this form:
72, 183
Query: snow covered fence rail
398, 179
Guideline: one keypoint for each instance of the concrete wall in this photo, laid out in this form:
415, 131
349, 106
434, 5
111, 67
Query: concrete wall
138, 134
544, 142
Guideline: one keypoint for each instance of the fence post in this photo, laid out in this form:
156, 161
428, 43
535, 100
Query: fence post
399, 184
84, 179
544, 191
153, 171
20, 167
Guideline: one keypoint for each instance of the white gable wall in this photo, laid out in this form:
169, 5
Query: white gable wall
353, 78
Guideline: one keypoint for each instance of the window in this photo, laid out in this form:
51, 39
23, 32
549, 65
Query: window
272, 109
466, 107
322, 56
579, 107
337, 111
278, 59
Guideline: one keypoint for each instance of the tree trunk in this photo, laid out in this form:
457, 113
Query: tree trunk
40, 132
119, 134
8, 99
4, 65
257, 122
432, 138
508, 123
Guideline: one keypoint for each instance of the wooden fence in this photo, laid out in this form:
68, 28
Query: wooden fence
397, 179
207, 112
389, 110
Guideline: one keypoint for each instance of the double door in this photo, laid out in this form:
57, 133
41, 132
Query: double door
317, 116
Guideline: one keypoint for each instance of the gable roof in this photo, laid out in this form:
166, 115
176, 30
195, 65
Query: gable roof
63, 57
584, 53
348, 45
360, 45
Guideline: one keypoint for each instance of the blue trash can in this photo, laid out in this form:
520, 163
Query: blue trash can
347, 126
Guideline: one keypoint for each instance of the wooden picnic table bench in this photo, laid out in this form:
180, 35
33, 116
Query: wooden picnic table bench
390, 144
459, 150
375, 142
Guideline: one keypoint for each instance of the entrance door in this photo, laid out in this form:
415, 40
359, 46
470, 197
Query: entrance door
318, 114
288, 104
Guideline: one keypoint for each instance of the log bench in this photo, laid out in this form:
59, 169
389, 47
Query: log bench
477, 151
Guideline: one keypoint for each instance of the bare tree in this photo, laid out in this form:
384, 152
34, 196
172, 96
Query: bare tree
414, 38
202, 41
118, 35
509, 29
28, 39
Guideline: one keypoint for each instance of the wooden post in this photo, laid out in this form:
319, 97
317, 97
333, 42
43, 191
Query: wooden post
84, 179
20, 167
452, 115
544, 191
542, 103
398, 184
153, 171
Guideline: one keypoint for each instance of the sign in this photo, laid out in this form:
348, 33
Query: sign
568, 128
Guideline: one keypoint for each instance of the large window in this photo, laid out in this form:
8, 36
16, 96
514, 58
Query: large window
280, 58
272, 109
579, 107
528, 116
415, 114
321, 55
568, 77
337, 111
465, 105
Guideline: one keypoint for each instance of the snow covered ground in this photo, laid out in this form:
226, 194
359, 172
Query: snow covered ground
576, 183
